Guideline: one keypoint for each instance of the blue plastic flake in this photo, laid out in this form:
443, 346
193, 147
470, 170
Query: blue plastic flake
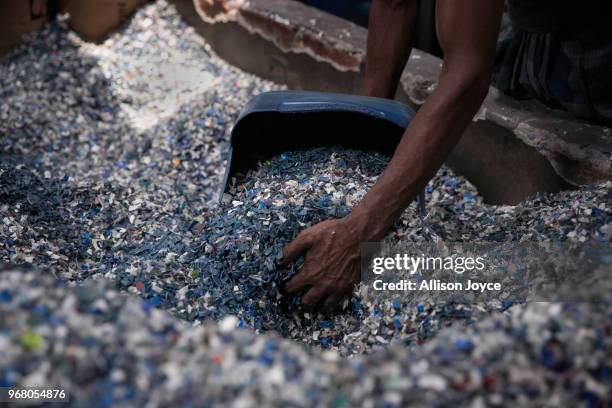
326, 324
548, 358
155, 301
86, 239
356, 305
464, 344
5, 296
397, 303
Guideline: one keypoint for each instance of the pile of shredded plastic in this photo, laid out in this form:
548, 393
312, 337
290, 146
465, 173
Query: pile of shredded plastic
106, 348
110, 162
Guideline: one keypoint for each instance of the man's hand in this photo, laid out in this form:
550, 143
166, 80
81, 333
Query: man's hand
332, 264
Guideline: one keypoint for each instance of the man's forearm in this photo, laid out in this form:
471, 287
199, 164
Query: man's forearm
425, 145
467, 33
389, 43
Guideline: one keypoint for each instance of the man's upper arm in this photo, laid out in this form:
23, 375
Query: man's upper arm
467, 31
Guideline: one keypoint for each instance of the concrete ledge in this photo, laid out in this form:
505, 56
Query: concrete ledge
512, 150
579, 152
292, 27
318, 53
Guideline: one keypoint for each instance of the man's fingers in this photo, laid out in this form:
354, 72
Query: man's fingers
296, 247
297, 283
312, 297
333, 300
331, 303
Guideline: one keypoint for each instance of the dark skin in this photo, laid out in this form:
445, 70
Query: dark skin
467, 31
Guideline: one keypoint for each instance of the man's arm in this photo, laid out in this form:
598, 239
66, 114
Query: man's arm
390, 33
467, 31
